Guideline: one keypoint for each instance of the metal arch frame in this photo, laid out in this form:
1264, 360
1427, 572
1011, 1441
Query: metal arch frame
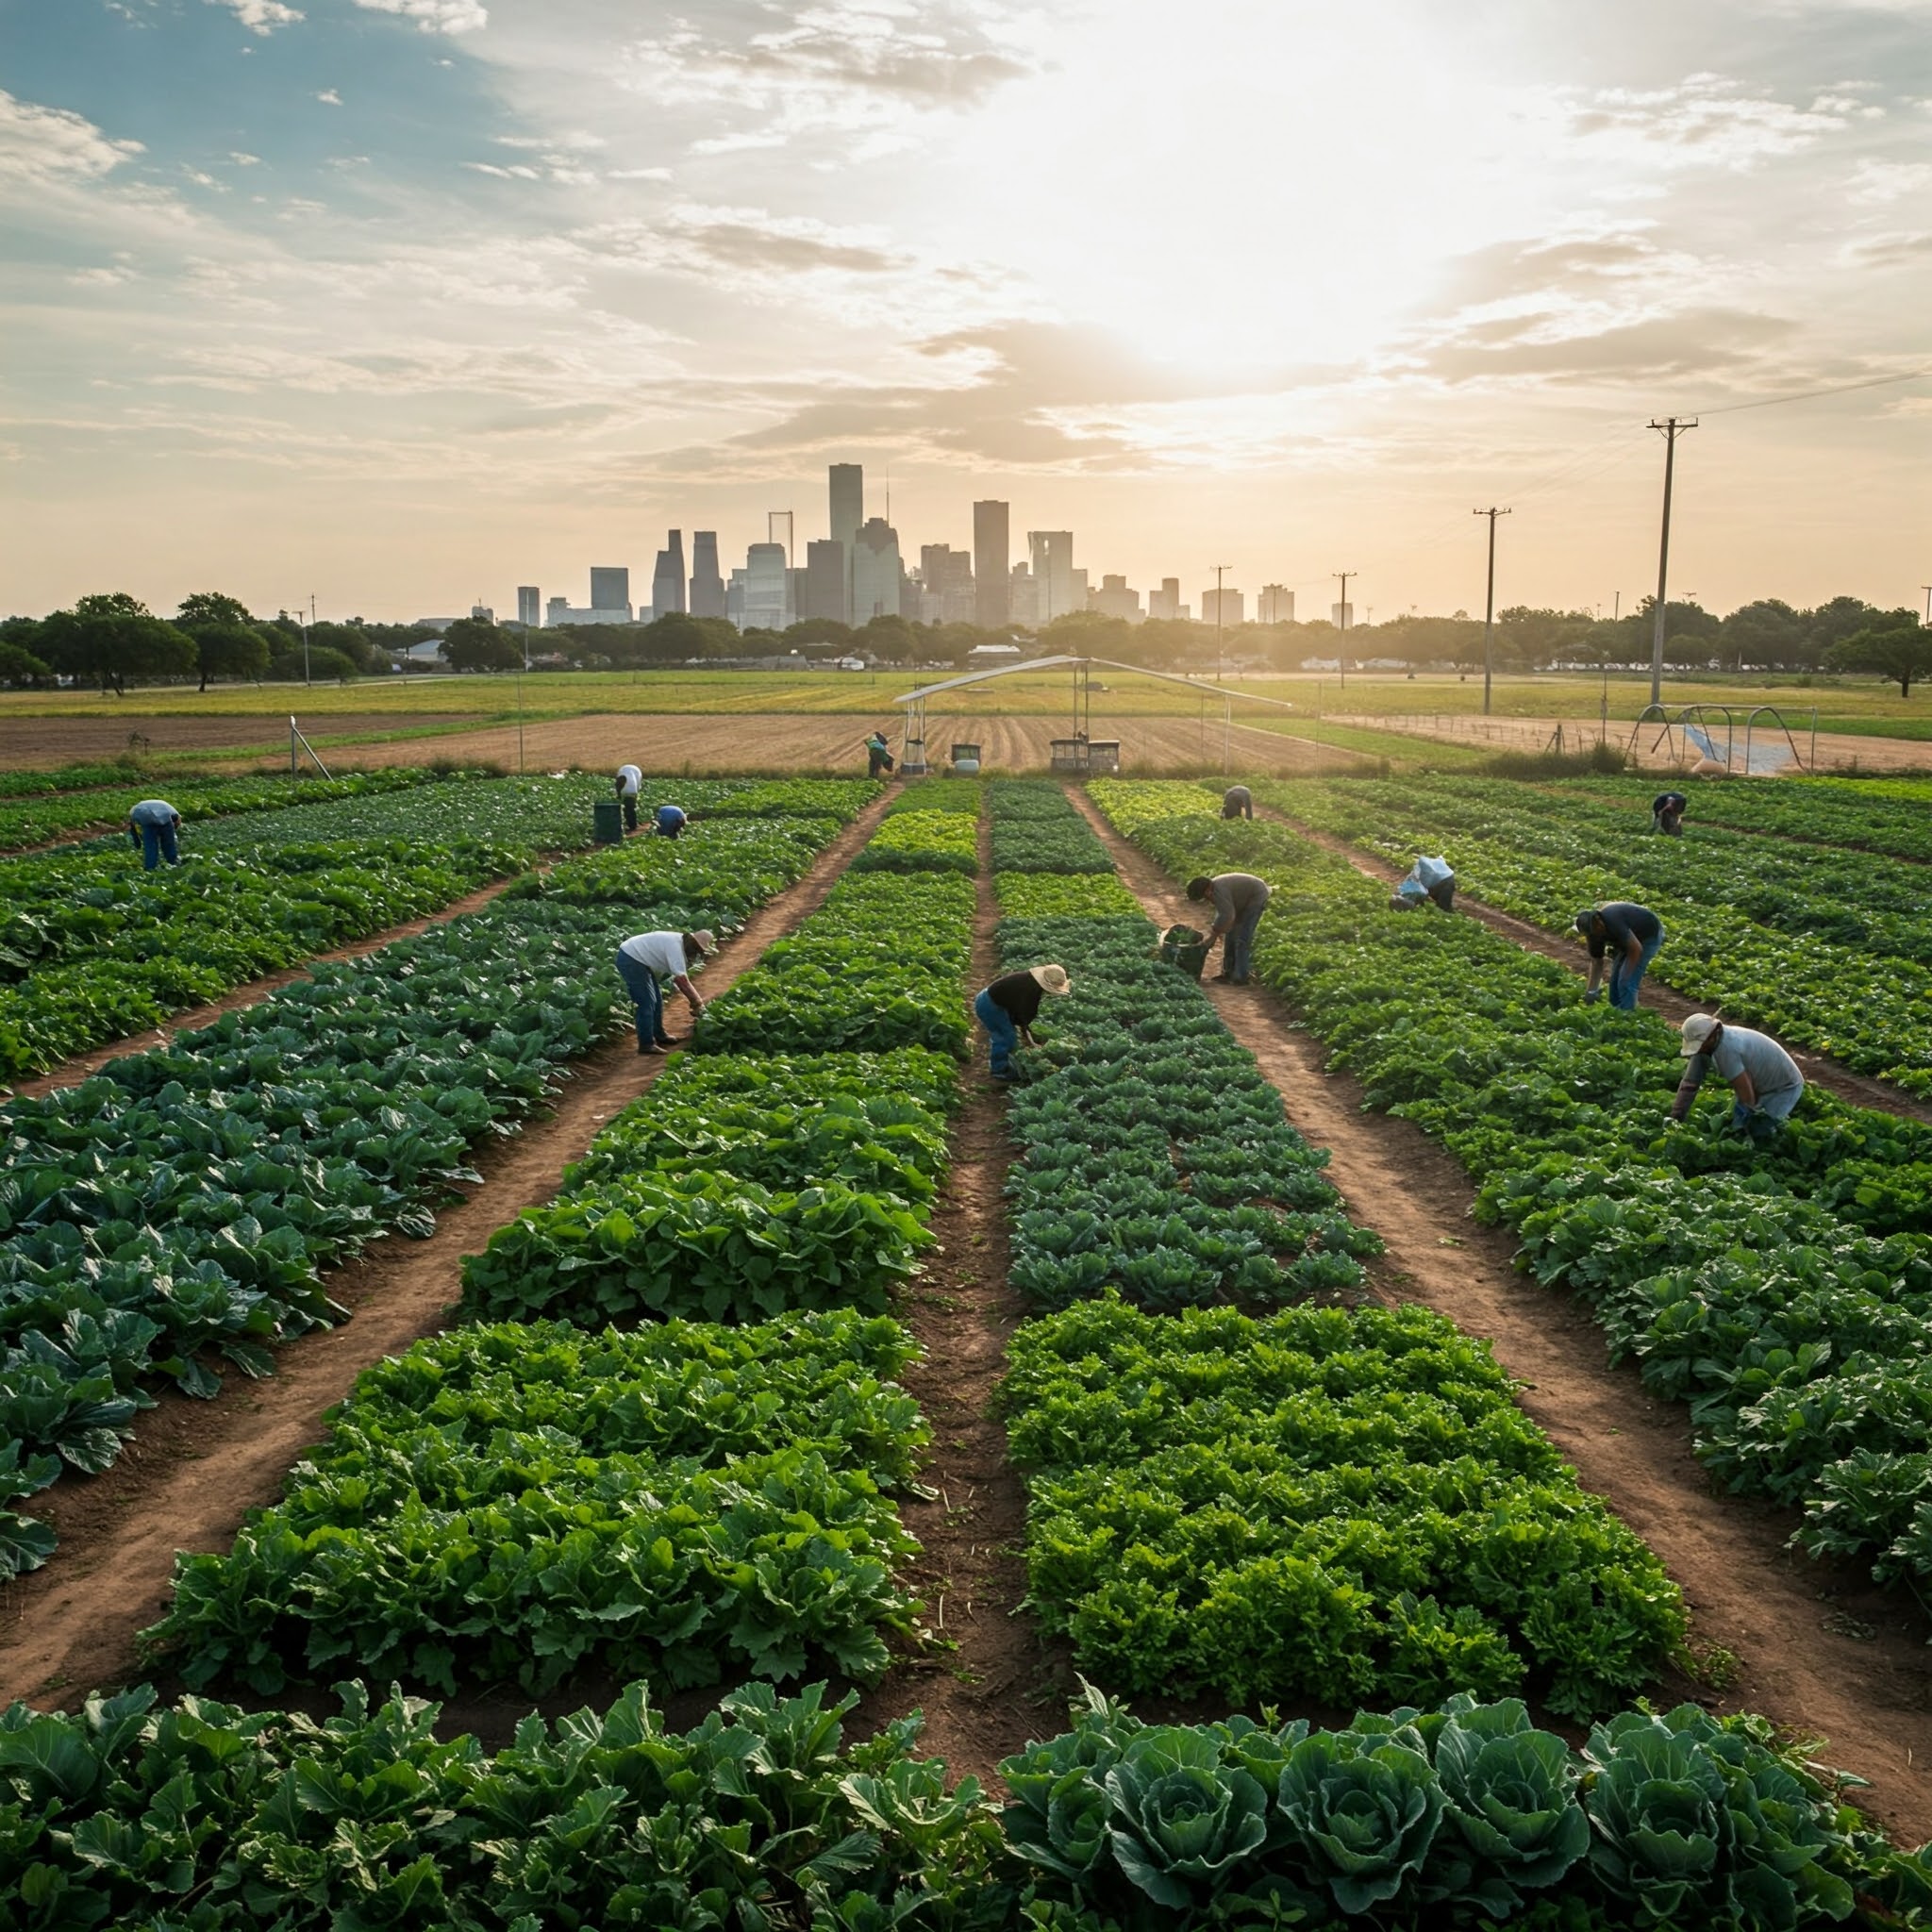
1685, 716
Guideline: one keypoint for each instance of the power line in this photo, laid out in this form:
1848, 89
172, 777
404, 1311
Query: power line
1843, 389
1489, 603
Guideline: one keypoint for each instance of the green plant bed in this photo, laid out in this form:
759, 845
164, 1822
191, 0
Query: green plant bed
922, 842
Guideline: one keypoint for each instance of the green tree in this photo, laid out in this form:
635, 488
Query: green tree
115, 637
1766, 635
469, 644
226, 643
1898, 648
20, 659
321, 664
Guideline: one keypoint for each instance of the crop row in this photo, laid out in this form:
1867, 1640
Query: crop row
924, 842
182, 1202
1036, 829
1862, 814
1801, 1340
1865, 1010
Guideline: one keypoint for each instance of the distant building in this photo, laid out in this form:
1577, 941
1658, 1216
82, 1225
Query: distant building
667, 577
529, 606
1274, 605
1164, 605
610, 591
846, 490
991, 657
876, 571
1341, 615
767, 589
482, 613
1053, 573
558, 611
993, 552
1114, 599
946, 582
707, 585
1023, 596
1223, 608
823, 582
734, 599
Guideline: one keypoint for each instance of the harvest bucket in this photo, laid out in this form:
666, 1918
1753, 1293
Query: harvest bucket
1182, 946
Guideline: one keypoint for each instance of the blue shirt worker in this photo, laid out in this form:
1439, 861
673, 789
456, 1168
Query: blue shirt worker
1763, 1076
630, 781
1666, 813
1008, 1007
1631, 932
153, 828
1428, 878
647, 958
878, 756
1237, 802
671, 822
1240, 900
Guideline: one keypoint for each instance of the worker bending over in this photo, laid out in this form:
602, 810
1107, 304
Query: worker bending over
1635, 932
630, 781
1240, 900
1763, 1076
1008, 1007
878, 756
645, 959
671, 822
153, 828
1666, 813
1428, 878
1237, 802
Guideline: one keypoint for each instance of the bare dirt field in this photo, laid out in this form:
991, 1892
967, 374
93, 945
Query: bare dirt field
42, 743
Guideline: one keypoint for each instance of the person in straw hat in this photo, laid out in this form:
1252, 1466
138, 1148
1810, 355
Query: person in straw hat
1008, 1007
647, 957
1763, 1076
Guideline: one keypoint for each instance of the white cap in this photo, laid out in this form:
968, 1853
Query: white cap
1696, 1030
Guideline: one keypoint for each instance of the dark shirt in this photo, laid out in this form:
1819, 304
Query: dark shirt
1669, 800
1018, 995
1624, 922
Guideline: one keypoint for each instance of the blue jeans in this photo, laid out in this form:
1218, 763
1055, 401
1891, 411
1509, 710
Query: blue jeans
999, 1025
1625, 979
156, 843
648, 998
1772, 1111
1238, 948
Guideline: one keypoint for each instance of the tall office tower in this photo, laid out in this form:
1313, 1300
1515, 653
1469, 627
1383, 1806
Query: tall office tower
667, 579
1275, 604
1114, 599
876, 571
560, 611
529, 606
1082, 598
707, 585
1023, 596
847, 481
1224, 607
946, 575
778, 530
992, 554
767, 589
1053, 573
822, 584
734, 599
1164, 605
1341, 616
610, 591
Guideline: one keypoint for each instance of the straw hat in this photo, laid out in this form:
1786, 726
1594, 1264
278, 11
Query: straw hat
706, 943
1051, 979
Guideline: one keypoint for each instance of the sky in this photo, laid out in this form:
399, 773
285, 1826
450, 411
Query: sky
402, 303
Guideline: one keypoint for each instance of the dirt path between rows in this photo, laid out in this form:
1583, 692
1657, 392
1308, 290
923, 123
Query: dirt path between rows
1656, 993
71, 1072
999, 1684
195, 1469
1820, 1648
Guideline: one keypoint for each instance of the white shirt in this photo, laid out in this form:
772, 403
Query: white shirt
663, 952
631, 778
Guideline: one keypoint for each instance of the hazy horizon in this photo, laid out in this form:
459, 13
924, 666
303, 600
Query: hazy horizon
403, 303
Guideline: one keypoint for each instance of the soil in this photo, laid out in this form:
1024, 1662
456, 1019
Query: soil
29, 744
1655, 993
1820, 1648
195, 1469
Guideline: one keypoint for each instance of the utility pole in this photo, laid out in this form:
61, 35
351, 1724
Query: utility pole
1490, 606
1342, 651
1219, 569
1927, 589
305, 622
1673, 428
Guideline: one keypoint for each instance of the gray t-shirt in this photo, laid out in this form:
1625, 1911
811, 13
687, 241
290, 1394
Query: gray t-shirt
1739, 1050
1235, 892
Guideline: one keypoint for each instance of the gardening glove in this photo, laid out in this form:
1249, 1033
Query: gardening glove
1592, 995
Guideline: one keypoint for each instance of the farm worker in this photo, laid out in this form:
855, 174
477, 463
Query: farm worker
1008, 1007
671, 822
1763, 1075
646, 957
153, 828
1428, 878
1636, 932
1666, 813
1237, 802
878, 756
1240, 899
630, 781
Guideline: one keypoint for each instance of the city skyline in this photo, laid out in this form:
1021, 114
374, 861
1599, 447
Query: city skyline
353, 297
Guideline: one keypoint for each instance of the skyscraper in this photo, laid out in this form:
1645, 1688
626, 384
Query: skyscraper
707, 585
822, 584
1223, 608
1165, 604
946, 580
767, 589
529, 606
610, 590
1275, 604
667, 580
993, 552
1115, 599
1053, 572
848, 484
876, 571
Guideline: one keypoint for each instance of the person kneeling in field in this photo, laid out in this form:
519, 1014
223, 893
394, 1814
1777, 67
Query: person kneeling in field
669, 820
646, 957
1763, 1075
1008, 1007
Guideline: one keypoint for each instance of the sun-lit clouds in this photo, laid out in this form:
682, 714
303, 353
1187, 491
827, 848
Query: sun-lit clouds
329, 97
261, 16
1710, 119
44, 146
1874, 182
434, 16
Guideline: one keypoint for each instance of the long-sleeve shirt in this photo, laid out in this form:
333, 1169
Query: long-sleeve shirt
1018, 995
1739, 1050
1623, 921
1235, 892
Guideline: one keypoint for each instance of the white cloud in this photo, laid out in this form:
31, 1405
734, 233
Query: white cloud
329, 98
1877, 182
102, 278
434, 16
244, 161
1710, 121
42, 145
261, 16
